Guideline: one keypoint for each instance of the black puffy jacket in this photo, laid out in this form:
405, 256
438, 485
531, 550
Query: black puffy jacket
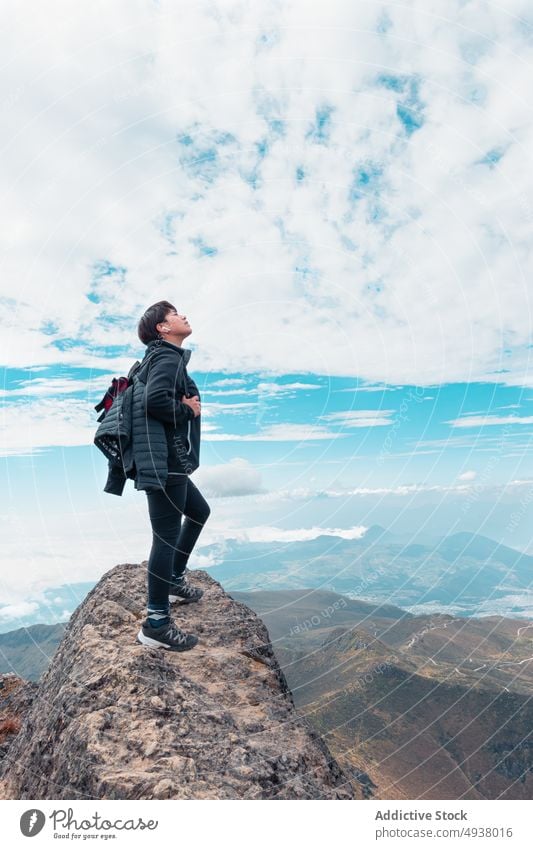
167, 382
165, 431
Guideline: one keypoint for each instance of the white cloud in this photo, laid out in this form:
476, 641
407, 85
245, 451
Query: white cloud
266, 533
498, 443
361, 418
467, 476
136, 145
483, 421
413, 488
229, 381
309, 494
212, 407
281, 388
288, 432
264, 390
225, 392
54, 386
364, 388
17, 611
28, 427
238, 477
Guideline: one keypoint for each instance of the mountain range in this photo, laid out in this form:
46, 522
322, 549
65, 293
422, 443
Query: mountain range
465, 574
415, 707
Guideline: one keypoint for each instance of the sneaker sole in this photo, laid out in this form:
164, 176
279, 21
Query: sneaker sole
174, 598
157, 644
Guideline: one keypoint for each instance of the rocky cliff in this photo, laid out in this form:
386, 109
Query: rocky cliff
111, 719
16, 697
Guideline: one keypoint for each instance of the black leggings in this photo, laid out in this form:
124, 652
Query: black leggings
172, 540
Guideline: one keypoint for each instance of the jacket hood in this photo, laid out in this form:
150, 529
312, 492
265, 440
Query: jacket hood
162, 343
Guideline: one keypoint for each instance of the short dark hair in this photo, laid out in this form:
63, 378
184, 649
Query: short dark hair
155, 314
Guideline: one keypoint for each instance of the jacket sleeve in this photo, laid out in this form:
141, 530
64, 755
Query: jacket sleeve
116, 480
161, 385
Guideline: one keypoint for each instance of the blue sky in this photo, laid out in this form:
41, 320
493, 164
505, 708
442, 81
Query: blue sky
339, 201
293, 430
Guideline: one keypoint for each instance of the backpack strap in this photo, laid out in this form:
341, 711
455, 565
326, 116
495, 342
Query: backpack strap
108, 394
139, 366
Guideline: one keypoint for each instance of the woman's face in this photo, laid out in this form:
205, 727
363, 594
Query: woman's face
177, 324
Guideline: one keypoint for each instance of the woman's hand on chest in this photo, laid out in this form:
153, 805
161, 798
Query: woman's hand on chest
193, 403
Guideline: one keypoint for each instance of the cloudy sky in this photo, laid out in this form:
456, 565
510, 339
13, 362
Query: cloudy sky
337, 195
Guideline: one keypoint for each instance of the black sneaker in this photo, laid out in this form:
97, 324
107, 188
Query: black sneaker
182, 591
167, 636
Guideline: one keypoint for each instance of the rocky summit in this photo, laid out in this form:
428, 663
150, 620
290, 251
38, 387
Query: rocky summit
111, 719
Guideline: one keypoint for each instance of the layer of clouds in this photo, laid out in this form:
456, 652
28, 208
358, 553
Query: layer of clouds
239, 477
412, 488
12, 612
340, 188
76, 546
266, 533
28, 427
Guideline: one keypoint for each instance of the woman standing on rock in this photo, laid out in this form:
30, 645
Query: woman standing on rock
171, 398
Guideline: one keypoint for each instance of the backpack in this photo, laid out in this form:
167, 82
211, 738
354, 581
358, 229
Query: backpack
118, 384
114, 434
